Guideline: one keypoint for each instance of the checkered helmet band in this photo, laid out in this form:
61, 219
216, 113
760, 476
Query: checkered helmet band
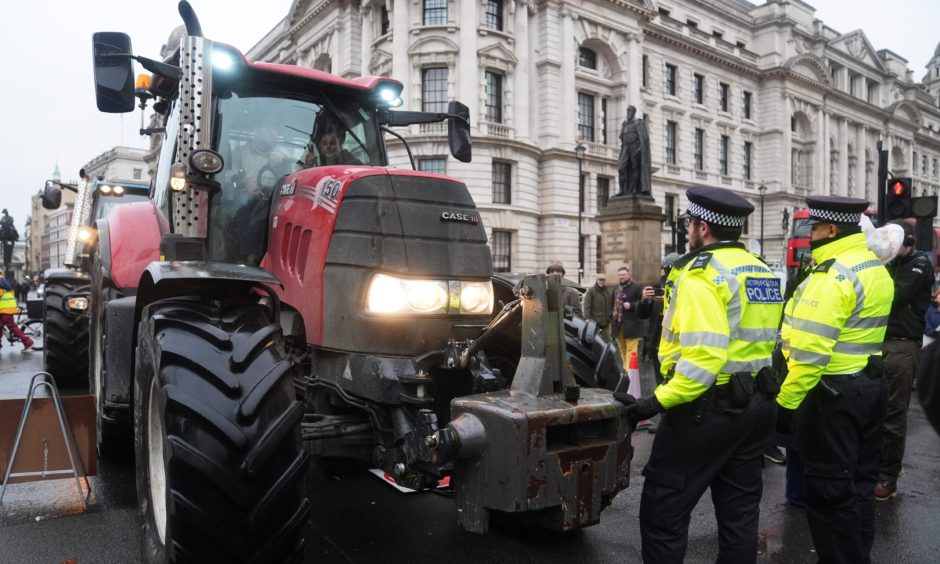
715, 217
834, 216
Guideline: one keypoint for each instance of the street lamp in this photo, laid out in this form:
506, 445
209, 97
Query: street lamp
762, 189
579, 150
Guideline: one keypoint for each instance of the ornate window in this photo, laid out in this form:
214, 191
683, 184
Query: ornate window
723, 96
437, 165
502, 182
603, 191
494, 15
748, 154
672, 134
494, 97
502, 251
385, 25
434, 89
587, 58
699, 88
747, 104
586, 116
699, 155
435, 12
723, 155
671, 72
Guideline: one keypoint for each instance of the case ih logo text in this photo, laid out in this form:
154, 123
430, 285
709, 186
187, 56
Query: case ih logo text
459, 217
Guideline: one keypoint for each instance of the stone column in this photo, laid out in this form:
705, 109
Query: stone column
635, 76
522, 95
822, 156
631, 230
787, 167
843, 144
569, 97
861, 181
368, 18
400, 37
467, 71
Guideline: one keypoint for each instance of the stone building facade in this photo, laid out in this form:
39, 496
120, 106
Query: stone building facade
765, 100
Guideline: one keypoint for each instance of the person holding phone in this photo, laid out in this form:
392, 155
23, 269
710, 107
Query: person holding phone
651, 308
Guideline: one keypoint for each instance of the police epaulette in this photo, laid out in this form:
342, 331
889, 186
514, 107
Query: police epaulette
824, 267
700, 261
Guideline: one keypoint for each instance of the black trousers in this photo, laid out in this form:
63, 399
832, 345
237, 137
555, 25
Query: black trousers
840, 442
722, 452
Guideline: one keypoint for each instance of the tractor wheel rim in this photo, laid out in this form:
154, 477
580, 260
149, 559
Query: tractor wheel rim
155, 463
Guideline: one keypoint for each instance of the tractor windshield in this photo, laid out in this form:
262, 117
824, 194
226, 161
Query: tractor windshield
105, 204
263, 136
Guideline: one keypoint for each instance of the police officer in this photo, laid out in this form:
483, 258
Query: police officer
718, 333
832, 336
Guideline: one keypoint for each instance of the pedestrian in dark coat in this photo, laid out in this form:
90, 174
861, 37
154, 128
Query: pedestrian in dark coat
627, 328
913, 276
597, 302
570, 297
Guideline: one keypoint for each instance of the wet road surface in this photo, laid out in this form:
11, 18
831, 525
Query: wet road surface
360, 519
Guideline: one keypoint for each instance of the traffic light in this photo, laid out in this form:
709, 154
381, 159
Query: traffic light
898, 199
681, 233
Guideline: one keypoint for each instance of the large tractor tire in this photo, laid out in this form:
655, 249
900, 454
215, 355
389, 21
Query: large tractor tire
594, 361
65, 349
114, 434
220, 468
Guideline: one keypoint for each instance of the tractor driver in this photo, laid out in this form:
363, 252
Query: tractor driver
257, 165
329, 143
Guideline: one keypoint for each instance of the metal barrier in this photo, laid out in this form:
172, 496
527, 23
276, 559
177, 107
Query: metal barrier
46, 380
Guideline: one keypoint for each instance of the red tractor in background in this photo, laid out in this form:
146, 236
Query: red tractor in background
286, 297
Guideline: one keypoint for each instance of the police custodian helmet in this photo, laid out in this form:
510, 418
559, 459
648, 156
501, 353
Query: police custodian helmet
835, 209
717, 206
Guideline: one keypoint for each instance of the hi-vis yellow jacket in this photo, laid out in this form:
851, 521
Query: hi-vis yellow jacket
721, 319
837, 318
8, 303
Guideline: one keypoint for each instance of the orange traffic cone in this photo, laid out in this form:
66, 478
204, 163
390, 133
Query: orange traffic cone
633, 372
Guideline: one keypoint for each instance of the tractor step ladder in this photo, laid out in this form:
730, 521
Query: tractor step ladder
78, 467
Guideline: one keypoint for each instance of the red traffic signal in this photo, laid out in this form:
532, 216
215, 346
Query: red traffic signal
898, 199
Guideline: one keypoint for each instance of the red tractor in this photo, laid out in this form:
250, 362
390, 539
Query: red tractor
286, 298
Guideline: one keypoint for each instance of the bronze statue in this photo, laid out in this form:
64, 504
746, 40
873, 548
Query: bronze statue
634, 162
8, 236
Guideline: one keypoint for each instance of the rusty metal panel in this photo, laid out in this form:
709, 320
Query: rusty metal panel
543, 453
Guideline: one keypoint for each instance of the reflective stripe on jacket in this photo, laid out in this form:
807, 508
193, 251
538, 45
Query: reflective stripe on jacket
8, 303
722, 318
837, 318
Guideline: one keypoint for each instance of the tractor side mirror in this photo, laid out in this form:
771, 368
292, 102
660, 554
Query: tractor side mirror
114, 73
458, 132
51, 197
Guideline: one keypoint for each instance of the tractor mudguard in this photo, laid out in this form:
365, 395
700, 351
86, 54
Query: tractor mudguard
64, 274
116, 386
129, 240
167, 279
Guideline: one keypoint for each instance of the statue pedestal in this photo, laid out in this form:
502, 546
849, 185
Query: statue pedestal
631, 234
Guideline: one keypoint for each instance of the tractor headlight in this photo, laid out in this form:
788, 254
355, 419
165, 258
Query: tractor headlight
118, 190
104, 189
389, 295
85, 233
476, 297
